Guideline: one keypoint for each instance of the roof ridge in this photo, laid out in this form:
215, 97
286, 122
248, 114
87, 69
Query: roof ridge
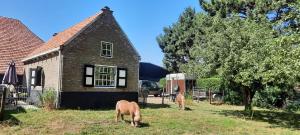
79, 22
9, 18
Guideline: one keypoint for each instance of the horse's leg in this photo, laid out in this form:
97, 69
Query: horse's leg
117, 115
132, 119
122, 116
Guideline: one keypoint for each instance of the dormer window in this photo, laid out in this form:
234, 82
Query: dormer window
106, 49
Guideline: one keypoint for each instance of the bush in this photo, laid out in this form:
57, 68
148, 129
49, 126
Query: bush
233, 97
293, 106
48, 99
271, 98
209, 83
189, 99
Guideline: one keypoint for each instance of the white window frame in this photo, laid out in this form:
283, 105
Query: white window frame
115, 77
112, 52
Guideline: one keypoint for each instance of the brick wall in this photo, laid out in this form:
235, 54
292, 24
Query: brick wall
85, 49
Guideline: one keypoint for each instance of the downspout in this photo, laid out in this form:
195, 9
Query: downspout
60, 62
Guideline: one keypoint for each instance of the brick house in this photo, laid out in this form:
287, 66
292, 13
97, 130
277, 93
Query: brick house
16, 42
91, 64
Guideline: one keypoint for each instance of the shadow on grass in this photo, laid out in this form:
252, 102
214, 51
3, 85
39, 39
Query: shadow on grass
155, 106
9, 119
141, 125
188, 109
276, 119
88, 109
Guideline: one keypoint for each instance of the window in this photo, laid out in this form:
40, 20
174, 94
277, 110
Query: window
102, 76
105, 76
36, 76
106, 49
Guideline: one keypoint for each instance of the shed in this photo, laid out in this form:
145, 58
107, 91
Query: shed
183, 81
151, 72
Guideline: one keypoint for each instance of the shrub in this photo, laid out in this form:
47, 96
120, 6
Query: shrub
233, 97
48, 99
189, 99
209, 83
270, 97
293, 106
162, 82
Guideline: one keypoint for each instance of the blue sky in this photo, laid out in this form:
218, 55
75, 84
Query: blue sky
142, 20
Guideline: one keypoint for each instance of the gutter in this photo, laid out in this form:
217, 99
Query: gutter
60, 67
41, 54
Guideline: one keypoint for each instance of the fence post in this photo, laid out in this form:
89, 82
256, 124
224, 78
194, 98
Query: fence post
2, 102
209, 96
163, 96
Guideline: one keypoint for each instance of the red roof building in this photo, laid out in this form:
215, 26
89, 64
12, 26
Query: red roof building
16, 42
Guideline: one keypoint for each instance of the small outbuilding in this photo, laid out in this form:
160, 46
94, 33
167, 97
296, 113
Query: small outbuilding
179, 82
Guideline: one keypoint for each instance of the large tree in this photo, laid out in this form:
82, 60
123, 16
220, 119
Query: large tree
177, 40
249, 44
284, 14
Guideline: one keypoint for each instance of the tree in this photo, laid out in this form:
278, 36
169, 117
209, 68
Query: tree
247, 54
240, 55
248, 44
284, 14
177, 40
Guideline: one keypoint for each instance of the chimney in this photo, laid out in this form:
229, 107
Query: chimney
106, 9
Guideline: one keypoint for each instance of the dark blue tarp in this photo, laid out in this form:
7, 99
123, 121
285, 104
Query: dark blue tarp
149, 71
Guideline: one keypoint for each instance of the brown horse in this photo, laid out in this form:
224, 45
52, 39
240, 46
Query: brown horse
124, 107
180, 100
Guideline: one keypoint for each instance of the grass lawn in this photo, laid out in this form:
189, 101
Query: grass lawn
201, 119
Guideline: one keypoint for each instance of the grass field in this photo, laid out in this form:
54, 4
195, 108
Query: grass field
201, 118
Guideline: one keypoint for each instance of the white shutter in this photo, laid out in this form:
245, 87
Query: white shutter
122, 78
88, 77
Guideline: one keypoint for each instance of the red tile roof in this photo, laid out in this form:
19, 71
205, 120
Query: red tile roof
63, 37
16, 42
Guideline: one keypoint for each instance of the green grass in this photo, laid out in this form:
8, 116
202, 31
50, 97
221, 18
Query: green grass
202, 118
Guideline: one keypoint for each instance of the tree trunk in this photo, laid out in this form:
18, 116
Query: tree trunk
248, 96
2, 104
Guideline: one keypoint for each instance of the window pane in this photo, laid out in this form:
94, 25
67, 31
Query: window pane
88, 80
89, 71
32, 81
122, 82
33, 73
105, 77
108, 47
103, 52
122, 73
